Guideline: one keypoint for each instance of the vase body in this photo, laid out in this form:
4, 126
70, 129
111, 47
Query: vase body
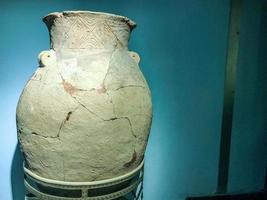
86, 112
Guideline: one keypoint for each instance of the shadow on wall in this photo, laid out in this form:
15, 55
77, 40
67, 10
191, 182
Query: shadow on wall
17, 185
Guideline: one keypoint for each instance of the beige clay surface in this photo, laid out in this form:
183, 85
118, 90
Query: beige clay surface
86, 112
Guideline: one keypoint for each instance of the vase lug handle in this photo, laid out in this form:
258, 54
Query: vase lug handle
47, 57
135, 56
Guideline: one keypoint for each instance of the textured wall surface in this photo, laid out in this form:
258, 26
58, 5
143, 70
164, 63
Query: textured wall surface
182, 45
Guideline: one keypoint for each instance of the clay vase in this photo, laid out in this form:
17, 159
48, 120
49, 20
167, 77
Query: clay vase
86, 112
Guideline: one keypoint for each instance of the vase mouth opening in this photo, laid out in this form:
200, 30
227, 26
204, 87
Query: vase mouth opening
49, 18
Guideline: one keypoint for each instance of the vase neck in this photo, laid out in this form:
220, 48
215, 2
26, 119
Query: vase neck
88, 30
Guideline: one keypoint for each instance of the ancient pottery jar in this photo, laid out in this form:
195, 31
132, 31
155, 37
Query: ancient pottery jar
86, 112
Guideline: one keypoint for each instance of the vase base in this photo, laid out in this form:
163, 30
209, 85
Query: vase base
128, 186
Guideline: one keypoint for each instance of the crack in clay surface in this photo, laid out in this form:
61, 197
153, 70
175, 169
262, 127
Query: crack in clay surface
118, 40
127, 118
134, 157
90, 111
110, 119
64, 121
102, 89
111, 56
111, 101
44, 136
130, 124
60, 127
105, 93
127, 86
69, 88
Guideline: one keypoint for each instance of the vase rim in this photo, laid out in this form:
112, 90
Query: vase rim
54, 15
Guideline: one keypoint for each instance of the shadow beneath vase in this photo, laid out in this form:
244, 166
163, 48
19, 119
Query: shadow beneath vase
17, 185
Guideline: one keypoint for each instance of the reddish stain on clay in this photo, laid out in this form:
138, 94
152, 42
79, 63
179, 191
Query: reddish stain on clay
69, 88
102, 89
134, 157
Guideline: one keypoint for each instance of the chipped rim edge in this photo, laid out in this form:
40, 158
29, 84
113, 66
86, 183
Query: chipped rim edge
51, 16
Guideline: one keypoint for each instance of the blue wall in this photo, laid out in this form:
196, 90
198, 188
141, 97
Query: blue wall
249, 135
183, 50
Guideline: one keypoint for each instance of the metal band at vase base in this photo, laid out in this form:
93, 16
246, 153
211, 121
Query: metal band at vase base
130, 185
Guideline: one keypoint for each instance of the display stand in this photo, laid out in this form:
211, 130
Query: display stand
125, 187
